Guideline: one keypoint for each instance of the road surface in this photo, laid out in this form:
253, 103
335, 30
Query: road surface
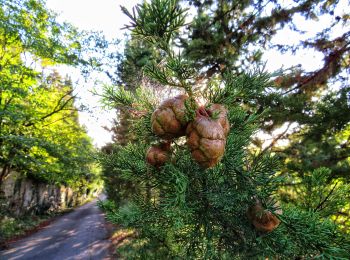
80, 234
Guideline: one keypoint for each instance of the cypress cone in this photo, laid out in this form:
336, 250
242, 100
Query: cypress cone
263, 220
221, 112
168, 120
206, 139
158, 155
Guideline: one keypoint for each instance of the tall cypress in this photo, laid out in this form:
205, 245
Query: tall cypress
202, 193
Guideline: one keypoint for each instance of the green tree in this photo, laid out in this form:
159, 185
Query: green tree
39, 130
129, 74
184, 210
234, 35
224, 36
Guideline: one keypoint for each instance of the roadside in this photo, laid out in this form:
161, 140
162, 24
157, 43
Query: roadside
13, 229
80, 234
121, 238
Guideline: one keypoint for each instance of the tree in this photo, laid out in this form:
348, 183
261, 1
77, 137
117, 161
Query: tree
187, 208
224, 36
129, 74
234, 35
40, 134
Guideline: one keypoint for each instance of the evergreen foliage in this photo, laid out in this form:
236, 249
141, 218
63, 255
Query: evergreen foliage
181, 210
130, 75
309, 104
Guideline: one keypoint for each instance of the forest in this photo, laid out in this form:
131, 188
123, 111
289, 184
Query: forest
213, 154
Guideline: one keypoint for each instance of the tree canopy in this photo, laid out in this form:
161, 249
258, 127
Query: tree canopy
40, 135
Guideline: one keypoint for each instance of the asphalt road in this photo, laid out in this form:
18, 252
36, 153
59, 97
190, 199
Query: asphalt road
80, 234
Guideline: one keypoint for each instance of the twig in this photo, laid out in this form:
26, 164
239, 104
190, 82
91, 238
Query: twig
276, 139
319, 207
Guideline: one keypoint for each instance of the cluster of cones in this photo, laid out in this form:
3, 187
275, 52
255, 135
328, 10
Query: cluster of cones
206, 134
206, 138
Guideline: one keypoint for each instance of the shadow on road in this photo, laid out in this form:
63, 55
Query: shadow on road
81, 234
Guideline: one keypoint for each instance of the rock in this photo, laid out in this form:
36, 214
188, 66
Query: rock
25, 196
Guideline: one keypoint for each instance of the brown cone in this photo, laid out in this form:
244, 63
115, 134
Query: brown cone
263, 220
206, 140
158, 155
168, 120
222, 116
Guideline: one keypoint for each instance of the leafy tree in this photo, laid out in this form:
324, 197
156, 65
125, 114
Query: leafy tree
39, 130
183, 210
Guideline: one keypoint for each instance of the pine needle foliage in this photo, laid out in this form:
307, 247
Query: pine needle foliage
246, 86
182, 211
158, 20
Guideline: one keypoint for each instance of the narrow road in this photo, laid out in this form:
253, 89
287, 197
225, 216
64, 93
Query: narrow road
80, 234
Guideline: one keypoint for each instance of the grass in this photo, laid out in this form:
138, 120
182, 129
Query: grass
11, 227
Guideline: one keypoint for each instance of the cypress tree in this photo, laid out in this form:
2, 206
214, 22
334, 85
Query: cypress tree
310, 104
196, 199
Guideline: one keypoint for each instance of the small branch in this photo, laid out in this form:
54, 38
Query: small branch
209, 73
320, 76
62, 118
319, 206
8, 102
290, 184
276, 139
340, 213
57, 109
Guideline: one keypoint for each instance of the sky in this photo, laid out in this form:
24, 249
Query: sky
101, 15
95, 15
106, 16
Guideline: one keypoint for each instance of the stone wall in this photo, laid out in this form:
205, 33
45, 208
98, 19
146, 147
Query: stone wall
22, 196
